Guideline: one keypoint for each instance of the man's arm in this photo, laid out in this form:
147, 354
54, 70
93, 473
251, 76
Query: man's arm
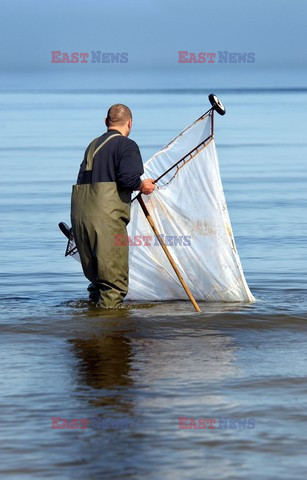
82, 174
130, 169
81, 170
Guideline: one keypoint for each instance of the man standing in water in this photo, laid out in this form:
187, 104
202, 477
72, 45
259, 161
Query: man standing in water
100, 206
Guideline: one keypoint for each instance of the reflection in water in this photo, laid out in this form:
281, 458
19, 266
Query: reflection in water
105, 361
189, 361
130, 351
150, 371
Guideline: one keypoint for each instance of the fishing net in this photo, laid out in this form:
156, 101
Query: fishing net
190, 212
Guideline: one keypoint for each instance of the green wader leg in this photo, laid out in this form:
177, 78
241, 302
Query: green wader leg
112, 265
99, 212
104, 263
93, 292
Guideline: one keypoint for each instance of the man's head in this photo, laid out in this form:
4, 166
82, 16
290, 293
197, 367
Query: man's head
119, 117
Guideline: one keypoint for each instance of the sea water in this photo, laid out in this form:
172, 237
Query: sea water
134, 380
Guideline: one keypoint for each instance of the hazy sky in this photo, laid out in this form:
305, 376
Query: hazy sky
152, 31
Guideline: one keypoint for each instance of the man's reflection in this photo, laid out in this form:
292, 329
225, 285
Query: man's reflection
105, 363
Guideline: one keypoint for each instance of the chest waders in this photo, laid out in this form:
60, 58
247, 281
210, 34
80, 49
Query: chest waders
99, 212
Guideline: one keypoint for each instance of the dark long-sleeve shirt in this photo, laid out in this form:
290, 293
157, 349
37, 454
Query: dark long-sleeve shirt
119, 160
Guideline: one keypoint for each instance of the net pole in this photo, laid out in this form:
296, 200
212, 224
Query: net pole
167, 253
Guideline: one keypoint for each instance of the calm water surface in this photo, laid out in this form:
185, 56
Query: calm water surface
60, 357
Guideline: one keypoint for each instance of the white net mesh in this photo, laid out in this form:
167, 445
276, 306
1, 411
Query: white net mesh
190, 210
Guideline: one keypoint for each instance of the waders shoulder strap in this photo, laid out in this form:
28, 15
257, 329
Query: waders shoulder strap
92, 151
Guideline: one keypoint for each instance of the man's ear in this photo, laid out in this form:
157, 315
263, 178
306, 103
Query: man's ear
130, 123
106, 121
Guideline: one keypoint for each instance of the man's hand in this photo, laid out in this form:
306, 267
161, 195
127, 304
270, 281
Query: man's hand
147, 186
